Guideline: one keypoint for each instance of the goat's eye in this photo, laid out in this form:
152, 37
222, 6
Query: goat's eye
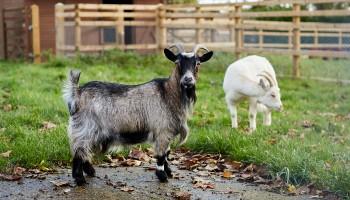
273, 96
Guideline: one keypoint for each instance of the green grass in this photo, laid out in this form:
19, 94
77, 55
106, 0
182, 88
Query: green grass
319, 154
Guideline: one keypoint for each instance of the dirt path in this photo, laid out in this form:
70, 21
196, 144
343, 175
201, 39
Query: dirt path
109, 183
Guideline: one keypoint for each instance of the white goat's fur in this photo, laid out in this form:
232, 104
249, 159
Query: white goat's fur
252, 77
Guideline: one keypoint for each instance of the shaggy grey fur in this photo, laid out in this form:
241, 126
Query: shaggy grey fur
103, 115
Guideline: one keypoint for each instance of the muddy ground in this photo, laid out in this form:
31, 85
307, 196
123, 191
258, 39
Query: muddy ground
132, 183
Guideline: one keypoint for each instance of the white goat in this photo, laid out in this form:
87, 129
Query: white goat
252, 77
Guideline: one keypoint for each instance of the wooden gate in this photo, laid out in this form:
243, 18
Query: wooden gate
20, 33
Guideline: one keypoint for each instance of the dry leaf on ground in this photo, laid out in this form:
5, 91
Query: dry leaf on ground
227, 174
6, 154
202, 183
139, 155
60, 183
19, 171
7, 107
182, 195
307, 124
6, 177
127, 189
46, 125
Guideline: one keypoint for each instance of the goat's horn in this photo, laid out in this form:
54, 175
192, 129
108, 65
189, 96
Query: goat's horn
267, 77
179, 48
198, 47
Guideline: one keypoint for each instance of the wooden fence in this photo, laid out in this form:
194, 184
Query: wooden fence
19, 33
220, 27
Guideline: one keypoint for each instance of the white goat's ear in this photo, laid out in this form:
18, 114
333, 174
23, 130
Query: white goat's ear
262, 84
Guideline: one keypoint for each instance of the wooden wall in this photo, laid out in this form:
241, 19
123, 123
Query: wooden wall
47, 20
6, 4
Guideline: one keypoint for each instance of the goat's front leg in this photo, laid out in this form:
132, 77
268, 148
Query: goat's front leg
162, 151
252, 114
267, 117
233, 112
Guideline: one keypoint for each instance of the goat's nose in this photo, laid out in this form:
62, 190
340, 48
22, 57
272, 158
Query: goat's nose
188, 79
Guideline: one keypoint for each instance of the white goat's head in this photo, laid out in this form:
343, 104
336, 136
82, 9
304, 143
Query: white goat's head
272, 97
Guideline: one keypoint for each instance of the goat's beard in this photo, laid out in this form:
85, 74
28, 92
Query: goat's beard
188, 95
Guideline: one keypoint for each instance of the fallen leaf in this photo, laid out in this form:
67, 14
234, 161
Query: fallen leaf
211, 167
10, 177
127, 189
227, 174
249, 168
19, 171
6, 154
34, 171
182, 195
66, 191
139, 155
46, 125
201, 183
272, 141
202, 173
117, 184
291, 189
7, 107
131, 162
307, 124
60, 183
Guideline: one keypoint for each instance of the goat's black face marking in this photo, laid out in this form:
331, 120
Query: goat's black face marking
188, 65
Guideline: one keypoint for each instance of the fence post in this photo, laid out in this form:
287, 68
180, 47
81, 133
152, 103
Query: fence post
59, 24
36, 34
238, 31
77, 28
340, 40
261, 39
232, 26
27, 36
2, 35
158, 25
162, 41
199, 31
120, 28
316, 38
296, 40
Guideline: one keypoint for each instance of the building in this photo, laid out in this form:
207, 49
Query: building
21, 45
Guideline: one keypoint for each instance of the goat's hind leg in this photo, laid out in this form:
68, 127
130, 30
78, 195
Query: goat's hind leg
89, 169
77, 168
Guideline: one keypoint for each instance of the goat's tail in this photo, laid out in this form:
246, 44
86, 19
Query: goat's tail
70, 90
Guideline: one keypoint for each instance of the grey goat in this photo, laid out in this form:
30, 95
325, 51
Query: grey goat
103, 115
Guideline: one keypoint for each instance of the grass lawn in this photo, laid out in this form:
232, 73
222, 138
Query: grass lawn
319, 153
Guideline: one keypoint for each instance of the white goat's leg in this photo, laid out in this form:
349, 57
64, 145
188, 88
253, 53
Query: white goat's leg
252, 114
233, 112
267, 118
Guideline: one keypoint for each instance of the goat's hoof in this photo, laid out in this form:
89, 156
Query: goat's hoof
80, 181
89, 169
162, 176
168, 172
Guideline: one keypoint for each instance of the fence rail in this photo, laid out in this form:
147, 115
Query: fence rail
155, 26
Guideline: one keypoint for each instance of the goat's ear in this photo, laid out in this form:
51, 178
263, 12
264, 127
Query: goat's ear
262, 84
205, 57
170, 55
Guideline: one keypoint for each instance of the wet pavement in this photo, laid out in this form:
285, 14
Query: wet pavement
140, 179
